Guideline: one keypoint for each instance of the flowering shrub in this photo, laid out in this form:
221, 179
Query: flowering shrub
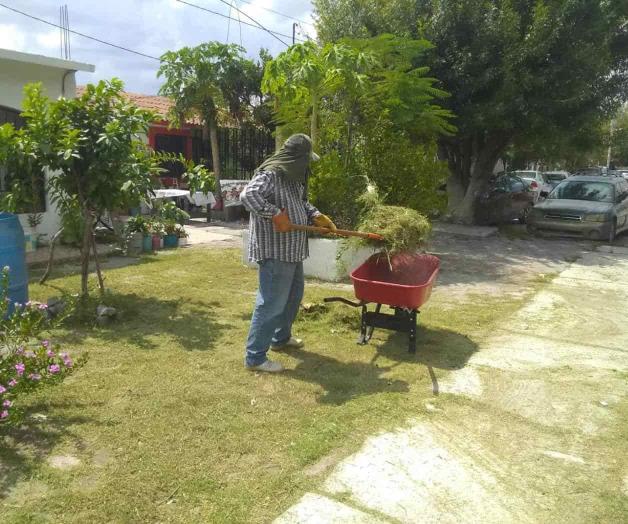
26, 360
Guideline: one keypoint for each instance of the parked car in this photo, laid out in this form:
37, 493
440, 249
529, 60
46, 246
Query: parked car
591, 171
508, 198
593, 206
555, 177
623, 171
536, 181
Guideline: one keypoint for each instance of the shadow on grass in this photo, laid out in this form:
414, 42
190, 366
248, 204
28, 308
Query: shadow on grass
195, 326
342, 382
23, 447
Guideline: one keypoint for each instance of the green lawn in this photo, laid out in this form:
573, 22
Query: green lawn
169, 427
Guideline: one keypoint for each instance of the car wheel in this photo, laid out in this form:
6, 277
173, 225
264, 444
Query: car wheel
613, 232
525, 213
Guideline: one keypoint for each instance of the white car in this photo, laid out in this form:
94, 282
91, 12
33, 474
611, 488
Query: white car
537, 182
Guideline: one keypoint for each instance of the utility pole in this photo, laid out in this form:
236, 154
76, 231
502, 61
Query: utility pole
294, 32
610, 146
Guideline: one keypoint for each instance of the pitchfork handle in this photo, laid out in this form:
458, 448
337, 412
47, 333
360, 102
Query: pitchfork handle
339, 232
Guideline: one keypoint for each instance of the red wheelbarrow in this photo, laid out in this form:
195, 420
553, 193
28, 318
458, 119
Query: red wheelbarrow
404, 283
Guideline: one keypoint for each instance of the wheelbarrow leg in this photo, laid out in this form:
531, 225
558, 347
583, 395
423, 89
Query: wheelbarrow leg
366, 330
412, 333
364, 338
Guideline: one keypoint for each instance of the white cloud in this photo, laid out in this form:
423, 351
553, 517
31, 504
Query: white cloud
48, 40
147, 26
11, 37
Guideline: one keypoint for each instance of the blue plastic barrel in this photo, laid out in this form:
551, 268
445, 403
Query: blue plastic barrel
12, 255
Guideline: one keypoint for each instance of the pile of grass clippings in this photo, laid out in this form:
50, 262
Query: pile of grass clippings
404, 230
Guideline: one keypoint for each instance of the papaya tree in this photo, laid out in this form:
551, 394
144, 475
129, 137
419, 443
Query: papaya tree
203, 81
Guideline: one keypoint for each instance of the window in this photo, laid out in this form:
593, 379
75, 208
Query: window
581, 190
38, 204
174, 144
517, 185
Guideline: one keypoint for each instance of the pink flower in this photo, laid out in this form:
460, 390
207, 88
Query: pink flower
7, 404
63, 355
20, 351
50, 353
4, 414
42, 307
2, 389
67, 362
12, 383
45, 343
20, 368
54, 368
34, 376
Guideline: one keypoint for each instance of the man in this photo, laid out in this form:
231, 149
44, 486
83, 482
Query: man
276, 196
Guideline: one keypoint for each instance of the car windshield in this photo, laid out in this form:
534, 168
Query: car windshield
554, 177
525, 174
583, 190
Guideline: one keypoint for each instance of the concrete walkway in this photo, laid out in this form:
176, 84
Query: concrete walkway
523, 433
216, 234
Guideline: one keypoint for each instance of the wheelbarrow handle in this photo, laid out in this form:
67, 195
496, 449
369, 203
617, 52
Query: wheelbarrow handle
339, 232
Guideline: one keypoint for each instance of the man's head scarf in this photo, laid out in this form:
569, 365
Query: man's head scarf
292, 161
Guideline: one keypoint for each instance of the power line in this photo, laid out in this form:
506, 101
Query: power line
278, 13
243, 23
253, 20
79, 34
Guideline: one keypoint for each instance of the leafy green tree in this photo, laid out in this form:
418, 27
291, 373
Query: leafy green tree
296, 78
619, 139
511, 68
207, 79
92, 145
372, 110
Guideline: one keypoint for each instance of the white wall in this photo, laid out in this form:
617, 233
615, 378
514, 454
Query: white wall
13, 77
328, 260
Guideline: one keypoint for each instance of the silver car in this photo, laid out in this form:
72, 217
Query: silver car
592, 206
536, 181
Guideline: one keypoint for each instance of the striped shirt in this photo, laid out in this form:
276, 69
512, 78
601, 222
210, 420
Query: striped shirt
265, 196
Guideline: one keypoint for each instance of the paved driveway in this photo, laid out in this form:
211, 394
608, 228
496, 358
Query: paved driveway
533, 429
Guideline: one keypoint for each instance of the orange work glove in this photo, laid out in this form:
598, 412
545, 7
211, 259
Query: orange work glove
324, 221
281, 222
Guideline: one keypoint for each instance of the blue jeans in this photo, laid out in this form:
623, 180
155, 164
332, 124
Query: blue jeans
280, 293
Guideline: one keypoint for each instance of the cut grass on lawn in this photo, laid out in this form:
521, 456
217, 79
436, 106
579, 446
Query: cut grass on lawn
163, 424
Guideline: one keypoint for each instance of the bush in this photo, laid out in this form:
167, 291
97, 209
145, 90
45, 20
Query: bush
27, 360
169, 212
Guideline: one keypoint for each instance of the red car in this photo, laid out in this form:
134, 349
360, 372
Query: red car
508, 198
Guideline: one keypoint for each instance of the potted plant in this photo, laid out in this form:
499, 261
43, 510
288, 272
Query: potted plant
170, 237
182, 235
135, 231
30, 233
156, 230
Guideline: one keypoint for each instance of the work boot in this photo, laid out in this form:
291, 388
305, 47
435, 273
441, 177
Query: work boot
269, 367
293, 343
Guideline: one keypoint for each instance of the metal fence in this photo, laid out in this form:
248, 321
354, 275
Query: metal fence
241, 151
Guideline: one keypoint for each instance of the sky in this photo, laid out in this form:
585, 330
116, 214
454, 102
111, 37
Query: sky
148, 26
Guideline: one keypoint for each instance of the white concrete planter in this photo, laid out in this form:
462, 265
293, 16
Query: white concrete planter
329, 259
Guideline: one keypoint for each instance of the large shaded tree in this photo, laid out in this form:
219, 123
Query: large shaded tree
205, 80
511, 67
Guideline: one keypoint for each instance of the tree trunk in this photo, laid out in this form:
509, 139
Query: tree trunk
85, 250
51, 254
314, 122
101, 282
212, 128
471, 162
